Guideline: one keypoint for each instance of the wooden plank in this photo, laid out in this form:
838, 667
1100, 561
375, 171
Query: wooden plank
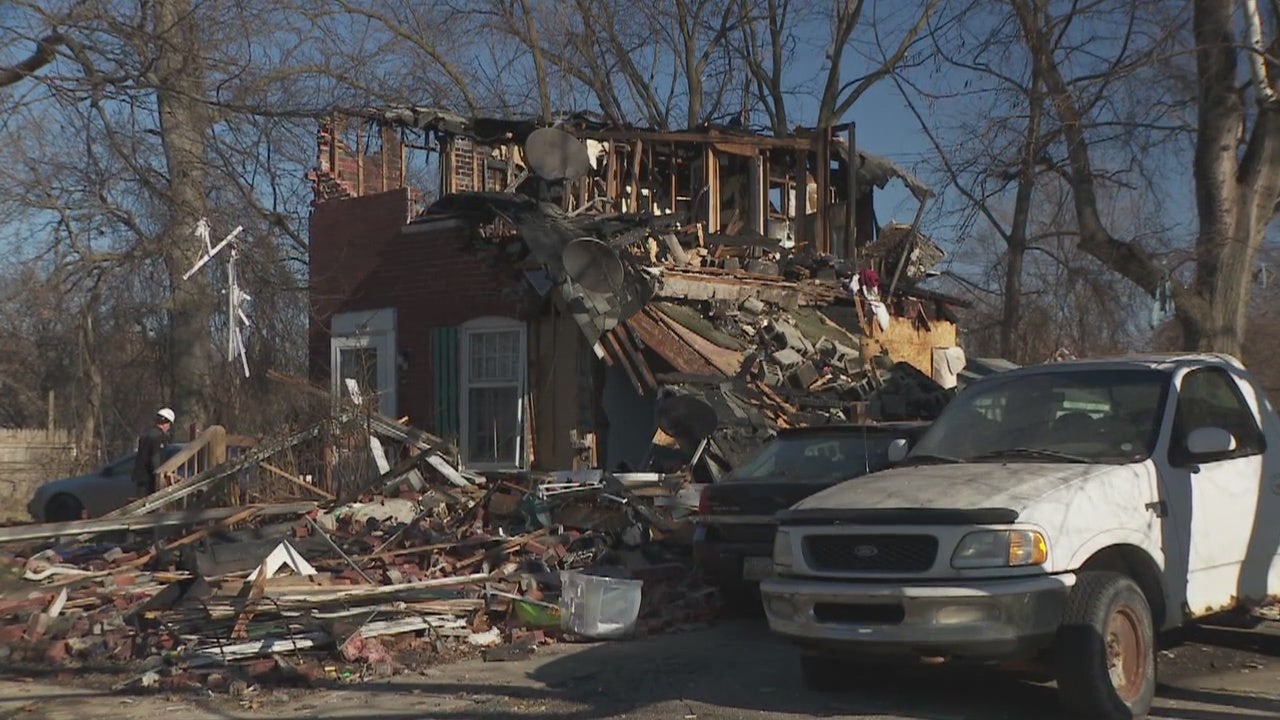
726, 361
39, 531
295, 480
669, 346
341, 592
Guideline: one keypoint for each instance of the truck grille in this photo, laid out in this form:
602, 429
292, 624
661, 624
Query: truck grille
870, 553
762, 534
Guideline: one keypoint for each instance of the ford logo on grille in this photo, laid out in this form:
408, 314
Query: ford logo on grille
866, 551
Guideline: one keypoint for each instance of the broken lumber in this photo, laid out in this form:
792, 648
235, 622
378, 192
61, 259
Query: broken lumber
295, 480
207, 478
41, 531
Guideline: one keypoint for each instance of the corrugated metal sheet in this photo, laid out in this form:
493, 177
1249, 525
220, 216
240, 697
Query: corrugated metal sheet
445, 382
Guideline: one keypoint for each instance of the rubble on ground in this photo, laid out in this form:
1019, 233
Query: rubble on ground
411, 563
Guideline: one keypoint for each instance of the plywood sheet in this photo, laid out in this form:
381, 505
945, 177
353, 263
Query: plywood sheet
906, 341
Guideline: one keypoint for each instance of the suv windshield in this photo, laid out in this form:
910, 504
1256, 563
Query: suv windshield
816, 457
1095, 416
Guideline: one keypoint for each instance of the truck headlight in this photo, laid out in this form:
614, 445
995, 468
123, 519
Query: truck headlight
1000, 548
782, 559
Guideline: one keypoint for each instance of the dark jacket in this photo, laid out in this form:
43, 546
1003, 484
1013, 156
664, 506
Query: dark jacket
150, 457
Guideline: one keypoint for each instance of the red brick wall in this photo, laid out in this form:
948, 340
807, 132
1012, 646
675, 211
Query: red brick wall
360, 260
375, 165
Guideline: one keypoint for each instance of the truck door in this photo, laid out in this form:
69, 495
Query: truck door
1222, 489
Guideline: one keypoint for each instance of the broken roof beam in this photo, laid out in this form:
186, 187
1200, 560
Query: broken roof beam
683, 286
42, 531
667, 345
727, 361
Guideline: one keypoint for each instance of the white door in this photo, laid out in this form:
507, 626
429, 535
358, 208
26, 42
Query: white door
362, 348
1218, 525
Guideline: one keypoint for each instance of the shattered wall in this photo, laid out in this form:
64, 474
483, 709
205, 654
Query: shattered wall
354, 160
364, 256
29, 458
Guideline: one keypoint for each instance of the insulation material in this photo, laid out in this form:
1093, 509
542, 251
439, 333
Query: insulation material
948, 362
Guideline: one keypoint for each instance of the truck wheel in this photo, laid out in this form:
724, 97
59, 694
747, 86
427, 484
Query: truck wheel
1106, 662
823, 674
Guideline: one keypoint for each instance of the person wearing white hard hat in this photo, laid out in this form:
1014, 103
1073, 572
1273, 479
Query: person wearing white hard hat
150, 451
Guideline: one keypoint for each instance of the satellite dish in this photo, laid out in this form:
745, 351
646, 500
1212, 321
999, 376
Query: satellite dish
593, 265
687, 418
556, 155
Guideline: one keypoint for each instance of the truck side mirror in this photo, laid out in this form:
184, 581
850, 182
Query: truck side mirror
1210, 441
898, 450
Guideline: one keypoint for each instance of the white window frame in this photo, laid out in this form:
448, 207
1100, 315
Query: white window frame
374, 329
480, 326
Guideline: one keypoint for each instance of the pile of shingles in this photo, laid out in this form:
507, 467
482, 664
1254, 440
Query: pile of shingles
439, 562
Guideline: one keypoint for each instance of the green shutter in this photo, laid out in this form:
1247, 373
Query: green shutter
444, 365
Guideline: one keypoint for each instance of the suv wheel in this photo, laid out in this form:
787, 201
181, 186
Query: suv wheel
1106, 649
63, 508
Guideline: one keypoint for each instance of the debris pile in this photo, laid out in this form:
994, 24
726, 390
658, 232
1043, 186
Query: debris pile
422, 562
764, 336
781, 368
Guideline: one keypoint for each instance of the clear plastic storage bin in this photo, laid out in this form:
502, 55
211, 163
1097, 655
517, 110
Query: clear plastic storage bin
598, 607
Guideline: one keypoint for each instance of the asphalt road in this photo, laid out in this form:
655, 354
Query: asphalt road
734, 670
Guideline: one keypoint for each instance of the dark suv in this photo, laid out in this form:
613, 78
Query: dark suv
733, 543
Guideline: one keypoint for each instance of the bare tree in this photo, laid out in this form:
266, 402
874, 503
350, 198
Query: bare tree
994, 120
46, 50
1236, 165
997, 143
150, 116
772, 29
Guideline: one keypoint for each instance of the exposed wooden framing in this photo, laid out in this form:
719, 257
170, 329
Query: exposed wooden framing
759, 198
637, 152
801, 181
675, 199
648, 171
823, 173
511, 168
613, 178
851, 199
711, 176
688, 138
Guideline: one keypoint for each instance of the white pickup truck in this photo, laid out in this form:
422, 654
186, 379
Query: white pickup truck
1069, 513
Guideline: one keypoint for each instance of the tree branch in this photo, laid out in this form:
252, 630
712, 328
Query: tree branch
46, 51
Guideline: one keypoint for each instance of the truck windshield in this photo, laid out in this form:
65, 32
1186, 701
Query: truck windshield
812, 457
1093, 416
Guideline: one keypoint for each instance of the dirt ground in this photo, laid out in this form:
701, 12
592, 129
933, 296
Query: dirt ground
730, 671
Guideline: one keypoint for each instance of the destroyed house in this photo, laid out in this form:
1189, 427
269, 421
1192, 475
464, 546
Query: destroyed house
592, 294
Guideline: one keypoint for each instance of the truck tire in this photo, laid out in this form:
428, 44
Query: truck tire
1106, 661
